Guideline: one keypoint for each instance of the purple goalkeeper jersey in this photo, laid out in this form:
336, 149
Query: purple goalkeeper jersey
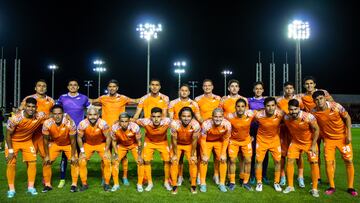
74, 106
256, 104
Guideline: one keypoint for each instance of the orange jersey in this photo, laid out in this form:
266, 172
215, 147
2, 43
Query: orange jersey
94, 135
59, 134
216, 133
308, 101
282, 103
23, 128
176, 105
241, 126
112, 107
207, 104
227, 103
300, 128
330, 121
43, 104
269, 127
184, 133
127, 137
148, 102
155, 133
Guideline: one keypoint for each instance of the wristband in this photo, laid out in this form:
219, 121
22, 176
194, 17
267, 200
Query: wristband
11, 151
82, 149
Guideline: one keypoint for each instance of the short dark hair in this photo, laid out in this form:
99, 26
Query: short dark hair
57, 106
318, 93
156, 80
186, 108
31, 100
207, 80
241, 100
233, 81
288, 83
124, 115
73, 80
258, 83
293, 102
40, 80
185, 85
113, 81
156, 110
269, 99
309, 78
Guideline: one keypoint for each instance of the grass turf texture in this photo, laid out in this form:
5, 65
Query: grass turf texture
129, 194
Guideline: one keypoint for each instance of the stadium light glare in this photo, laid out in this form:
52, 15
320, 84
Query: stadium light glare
148, 32
52, 67
226, 73
99, 68
179, 69
298, 30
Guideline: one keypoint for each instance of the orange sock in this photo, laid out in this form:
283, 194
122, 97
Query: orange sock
203, 171
125, 165
314, 175
350, 174
31, 172
258, 173
232, 178
107, 173
47, 172
83, 171
216, 167
174, 170
147, 170
290, 174
10, 173
140, 173
115, 172
166, 171
330, 173
74, 174
246, 178
223, 168
193, 173
277, 177
300, 164
231, 170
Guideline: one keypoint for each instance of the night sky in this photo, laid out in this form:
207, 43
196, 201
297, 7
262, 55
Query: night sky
211, 37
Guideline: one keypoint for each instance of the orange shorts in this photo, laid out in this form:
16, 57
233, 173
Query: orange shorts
183, 149
236, 146
27, 149
150, 147
295, 149
330, 148
38, 142
216, 146
285, 139
54, 151
274, 147
123, 150
90, 149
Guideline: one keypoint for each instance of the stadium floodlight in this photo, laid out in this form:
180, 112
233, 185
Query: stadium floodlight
226, 73
148, 32
99, 68
179, 65
298, 30
52, 67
